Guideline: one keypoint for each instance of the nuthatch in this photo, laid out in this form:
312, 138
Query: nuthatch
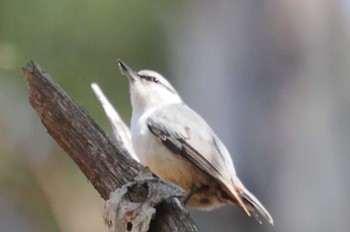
179, 146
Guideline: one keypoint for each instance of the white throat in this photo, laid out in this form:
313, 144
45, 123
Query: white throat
148, 99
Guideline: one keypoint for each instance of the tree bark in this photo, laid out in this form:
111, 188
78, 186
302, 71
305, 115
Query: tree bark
107, 165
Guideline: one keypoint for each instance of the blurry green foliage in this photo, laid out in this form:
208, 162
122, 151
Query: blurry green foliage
78, 42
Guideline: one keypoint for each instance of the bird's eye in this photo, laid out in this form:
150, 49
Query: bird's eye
155, 79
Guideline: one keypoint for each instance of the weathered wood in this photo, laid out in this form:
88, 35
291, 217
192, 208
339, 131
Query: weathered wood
132, 207
107, 165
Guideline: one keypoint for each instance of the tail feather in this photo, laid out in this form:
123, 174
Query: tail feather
254, 206
236, 191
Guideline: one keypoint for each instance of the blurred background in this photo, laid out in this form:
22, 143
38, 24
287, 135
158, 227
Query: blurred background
271, 77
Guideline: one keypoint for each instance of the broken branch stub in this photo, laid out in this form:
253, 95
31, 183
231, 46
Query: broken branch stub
131, 207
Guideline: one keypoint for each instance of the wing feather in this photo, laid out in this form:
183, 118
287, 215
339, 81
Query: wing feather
174, 126
185, 133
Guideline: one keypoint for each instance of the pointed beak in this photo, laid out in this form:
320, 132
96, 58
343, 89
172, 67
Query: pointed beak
126, 71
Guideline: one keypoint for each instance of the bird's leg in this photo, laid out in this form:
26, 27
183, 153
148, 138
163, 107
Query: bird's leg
186, 198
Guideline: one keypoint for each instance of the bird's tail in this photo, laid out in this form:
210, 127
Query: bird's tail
251, 204
248, 201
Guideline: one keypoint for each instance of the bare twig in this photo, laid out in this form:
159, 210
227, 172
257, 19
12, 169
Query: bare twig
121, 132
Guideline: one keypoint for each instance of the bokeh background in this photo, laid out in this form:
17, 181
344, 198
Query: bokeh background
272, 77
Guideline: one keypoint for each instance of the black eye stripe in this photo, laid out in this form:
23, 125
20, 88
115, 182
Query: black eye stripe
149, 78
154, 79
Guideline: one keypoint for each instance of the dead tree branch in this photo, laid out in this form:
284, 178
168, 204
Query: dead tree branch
107, 165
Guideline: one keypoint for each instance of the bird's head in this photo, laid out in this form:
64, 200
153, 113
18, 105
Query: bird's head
148, 89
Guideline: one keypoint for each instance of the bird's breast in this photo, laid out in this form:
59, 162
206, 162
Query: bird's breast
160, 159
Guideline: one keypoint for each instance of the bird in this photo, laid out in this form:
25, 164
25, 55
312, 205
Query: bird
178, 145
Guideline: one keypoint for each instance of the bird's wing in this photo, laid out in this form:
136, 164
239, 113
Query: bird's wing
185, 133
